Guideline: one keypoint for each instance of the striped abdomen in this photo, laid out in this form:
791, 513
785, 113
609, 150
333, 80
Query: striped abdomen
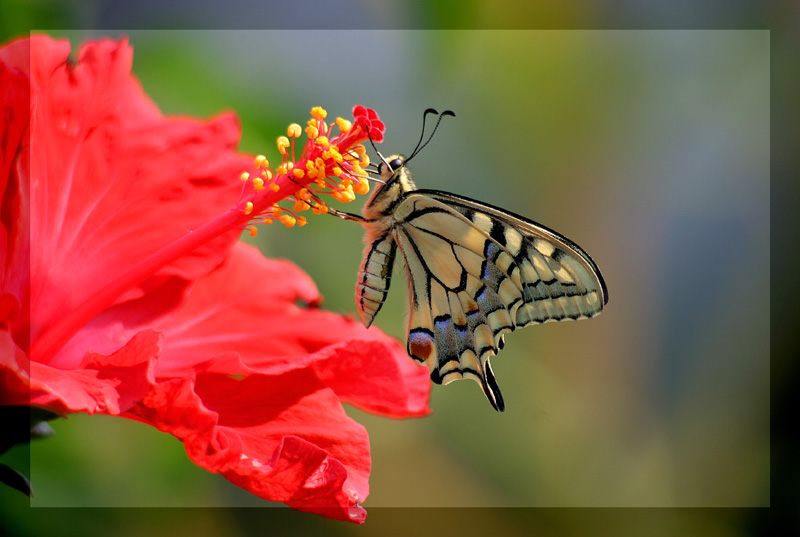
374, 277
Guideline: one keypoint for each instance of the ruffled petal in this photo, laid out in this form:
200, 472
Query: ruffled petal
251, 316
284, 438
108, 384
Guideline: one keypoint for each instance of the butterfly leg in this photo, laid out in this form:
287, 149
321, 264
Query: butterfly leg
346, 216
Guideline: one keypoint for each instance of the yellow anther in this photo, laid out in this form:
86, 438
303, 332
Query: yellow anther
261, 162
301, 221
290, 165
252, 230
300, 206
323, 141
345, 195
248, 207
337, 171
303, 194
294, 130
312, 132
245, 176
267, 174
319, 112
364, 160
361, 187
312, 173
283, 144
267, 221
274, 187
287, 220
258, 184
281, 169
319, 208
343, 124
299, 173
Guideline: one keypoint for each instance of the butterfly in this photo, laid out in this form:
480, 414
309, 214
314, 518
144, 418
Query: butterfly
474, 272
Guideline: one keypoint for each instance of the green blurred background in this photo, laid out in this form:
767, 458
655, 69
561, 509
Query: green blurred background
648, 148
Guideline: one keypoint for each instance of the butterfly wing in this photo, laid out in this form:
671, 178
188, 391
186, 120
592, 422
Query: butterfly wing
476, 272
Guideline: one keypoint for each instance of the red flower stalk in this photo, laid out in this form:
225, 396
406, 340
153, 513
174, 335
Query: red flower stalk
124, 289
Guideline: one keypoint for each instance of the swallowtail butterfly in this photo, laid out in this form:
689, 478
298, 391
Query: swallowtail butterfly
474, 273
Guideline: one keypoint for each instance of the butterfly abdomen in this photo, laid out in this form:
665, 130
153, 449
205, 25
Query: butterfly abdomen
374, 277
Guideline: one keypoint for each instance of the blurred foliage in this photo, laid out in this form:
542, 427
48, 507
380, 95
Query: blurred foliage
650, 149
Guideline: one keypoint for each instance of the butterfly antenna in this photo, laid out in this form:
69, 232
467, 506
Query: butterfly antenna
422, 133
441, 116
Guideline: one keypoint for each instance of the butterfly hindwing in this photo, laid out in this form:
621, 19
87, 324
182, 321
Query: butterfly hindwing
476, 272
447, 330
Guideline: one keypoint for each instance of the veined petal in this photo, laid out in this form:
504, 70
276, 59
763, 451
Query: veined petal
245, 318
111, 179
108, 384
284, 438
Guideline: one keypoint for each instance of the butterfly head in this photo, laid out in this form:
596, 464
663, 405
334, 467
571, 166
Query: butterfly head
391, 167
395, 176
396, 179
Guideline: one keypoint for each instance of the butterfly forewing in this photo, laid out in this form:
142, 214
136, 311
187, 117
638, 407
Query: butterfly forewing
476, 272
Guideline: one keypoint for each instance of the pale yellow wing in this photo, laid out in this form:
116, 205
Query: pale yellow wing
476, 272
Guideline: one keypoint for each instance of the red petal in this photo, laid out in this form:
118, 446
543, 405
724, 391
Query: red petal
377, 376
284, 438
244, 318
14, 239
106, 384
15, 388
111, 180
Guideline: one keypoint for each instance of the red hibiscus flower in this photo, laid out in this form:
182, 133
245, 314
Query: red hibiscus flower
124, 289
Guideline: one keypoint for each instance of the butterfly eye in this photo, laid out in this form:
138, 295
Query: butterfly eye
396, 163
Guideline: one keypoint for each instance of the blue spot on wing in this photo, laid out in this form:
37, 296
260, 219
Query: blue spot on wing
481, 297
